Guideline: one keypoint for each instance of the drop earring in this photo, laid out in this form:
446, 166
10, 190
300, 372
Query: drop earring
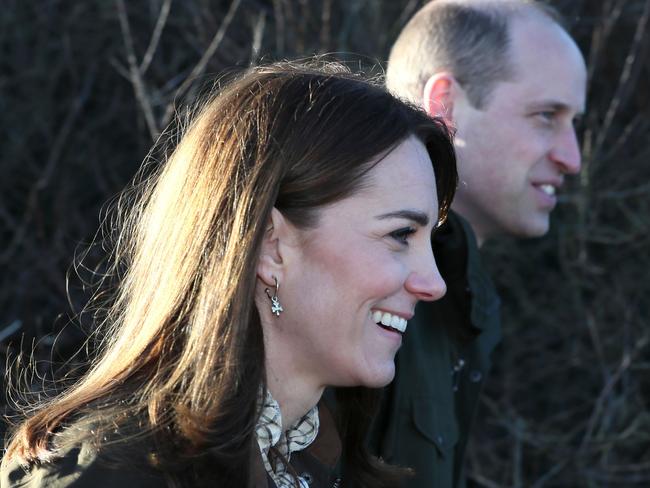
276, 308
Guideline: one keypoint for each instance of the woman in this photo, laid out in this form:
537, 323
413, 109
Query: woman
280, 249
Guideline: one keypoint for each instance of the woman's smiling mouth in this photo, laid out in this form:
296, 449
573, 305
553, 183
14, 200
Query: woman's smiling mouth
389, 321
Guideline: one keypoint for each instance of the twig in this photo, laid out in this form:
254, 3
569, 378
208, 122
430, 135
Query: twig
134, 72
639, 122
625, 84
596, 341
484, 481
155, 36
626, 361
258, 35
52, 161
407, 13
278, 15
641, 190
326, 26
610, 16
517, 455
203, 62
10, 329
550, 474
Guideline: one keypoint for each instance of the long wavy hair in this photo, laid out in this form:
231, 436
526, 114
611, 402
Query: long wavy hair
182, 359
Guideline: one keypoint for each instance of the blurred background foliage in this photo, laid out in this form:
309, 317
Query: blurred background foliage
87, 86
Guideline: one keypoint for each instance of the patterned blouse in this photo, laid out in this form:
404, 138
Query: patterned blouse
295, 438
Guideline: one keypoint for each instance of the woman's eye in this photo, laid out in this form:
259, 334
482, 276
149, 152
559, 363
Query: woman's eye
402, 235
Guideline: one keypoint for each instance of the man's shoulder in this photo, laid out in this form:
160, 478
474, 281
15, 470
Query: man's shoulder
461, 264
471, 304
455, 235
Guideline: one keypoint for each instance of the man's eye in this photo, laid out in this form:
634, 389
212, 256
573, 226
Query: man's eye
547, 116
402, 235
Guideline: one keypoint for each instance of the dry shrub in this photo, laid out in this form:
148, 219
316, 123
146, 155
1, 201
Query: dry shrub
568, 403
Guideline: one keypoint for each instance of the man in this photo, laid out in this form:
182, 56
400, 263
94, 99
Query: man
511, 81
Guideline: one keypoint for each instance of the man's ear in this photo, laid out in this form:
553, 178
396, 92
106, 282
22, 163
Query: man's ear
278, 234
439, 95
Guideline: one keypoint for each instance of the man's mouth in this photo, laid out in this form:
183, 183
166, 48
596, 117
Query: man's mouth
548, 189
389, 321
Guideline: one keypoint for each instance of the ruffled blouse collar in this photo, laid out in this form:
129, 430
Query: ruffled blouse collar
277, 445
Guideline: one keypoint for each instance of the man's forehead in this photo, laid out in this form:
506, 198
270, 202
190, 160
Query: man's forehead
548, 66
534, 36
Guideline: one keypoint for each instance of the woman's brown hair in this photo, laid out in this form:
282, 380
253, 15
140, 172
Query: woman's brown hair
183, 356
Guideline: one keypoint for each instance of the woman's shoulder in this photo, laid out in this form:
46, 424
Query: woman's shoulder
78, 466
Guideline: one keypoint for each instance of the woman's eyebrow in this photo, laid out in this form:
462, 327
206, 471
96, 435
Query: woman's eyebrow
416, 216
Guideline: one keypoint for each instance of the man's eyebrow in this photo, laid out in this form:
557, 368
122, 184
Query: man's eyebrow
415, 215
555, 106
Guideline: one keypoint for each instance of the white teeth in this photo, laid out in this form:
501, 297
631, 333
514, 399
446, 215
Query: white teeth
385, 319
548, 189
395, 321
389, 320
400, 324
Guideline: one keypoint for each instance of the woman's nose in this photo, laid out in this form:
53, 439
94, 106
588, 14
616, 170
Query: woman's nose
426, 283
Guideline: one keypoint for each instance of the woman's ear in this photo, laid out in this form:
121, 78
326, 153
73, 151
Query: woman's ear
272, 261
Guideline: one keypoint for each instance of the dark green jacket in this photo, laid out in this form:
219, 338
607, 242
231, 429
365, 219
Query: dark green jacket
428, 410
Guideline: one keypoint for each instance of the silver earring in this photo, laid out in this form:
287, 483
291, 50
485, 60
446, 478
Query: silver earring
276, 308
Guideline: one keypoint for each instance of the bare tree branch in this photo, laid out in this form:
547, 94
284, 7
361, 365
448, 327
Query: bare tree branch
135, 73
203, 62
155, 37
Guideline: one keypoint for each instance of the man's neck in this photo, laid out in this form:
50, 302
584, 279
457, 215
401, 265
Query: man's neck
476, 229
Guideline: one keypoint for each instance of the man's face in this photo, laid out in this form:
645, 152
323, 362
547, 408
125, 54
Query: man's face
513, 154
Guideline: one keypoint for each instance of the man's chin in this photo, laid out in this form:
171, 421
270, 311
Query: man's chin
531, 228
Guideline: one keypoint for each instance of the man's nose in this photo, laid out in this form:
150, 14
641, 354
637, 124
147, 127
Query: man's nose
566, 153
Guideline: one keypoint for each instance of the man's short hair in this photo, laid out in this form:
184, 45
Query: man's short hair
469, 39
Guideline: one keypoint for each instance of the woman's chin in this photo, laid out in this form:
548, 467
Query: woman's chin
376, 375
380, 377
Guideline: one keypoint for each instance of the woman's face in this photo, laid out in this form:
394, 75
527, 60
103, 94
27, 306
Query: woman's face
366, 263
